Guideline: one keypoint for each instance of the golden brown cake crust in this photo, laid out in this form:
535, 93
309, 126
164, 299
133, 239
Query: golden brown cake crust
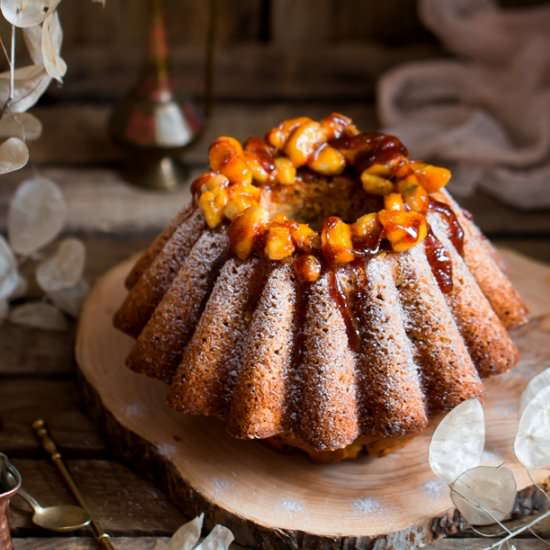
362, 351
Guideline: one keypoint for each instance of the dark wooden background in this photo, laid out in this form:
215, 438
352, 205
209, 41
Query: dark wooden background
274, 59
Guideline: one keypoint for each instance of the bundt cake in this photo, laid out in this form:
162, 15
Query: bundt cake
323, 291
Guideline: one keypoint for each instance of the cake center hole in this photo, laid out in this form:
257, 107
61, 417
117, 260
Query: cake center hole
312, 200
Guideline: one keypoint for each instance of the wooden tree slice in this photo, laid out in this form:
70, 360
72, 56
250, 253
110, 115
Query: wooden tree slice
277, 500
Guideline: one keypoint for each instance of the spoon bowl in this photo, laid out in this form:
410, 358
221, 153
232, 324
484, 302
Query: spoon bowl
56, 518
61, 518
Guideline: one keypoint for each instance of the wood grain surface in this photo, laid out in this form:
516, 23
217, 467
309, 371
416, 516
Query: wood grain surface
116, 220
272, 499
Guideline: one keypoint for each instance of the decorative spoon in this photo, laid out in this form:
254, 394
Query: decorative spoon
56, 518
48, 444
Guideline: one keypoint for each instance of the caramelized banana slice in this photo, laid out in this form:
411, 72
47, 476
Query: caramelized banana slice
279, 135
336, 241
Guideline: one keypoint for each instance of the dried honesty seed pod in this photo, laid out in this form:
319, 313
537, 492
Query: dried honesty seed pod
52, 36
32, 36
30, 83
14, 154
485, 495
64, 268
27, 13
38, 315
70, 300
542, 380
187, 536
532, 443
36, 215
458, 441
219, 538
8, 270
20, 125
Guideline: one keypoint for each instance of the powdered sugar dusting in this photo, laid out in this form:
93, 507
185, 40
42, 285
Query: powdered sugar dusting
505, 409
168, 450
293, 506
220, 485
434, 488
366, 505
135, 410
328, 410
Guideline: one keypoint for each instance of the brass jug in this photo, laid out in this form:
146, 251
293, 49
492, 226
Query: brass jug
150, 125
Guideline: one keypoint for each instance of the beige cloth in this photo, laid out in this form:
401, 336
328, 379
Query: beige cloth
487, 111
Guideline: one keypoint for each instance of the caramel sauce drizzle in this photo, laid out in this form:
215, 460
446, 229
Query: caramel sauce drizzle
343, 302
440, 262
457, 233
371, 147
438, 256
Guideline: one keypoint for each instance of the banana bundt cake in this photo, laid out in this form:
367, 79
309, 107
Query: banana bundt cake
323, 291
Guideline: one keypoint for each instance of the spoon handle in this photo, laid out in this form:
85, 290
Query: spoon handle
29, 499
41, 431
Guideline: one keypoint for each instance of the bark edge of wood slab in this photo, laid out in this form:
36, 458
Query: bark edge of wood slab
275, 500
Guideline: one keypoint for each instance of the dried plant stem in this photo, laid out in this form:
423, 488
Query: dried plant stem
537, 536
517, 532
8, 59
12, 64
487, 535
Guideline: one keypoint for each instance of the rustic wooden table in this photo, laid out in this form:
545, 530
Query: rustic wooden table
115, 220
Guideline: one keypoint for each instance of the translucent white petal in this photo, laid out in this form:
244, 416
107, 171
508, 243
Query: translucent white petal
220, 538
535, 385
30, 83
14, 154
38, 315
70, 300
36, 215
64, 268
532, 443
32, 36
20, 125
485, 495
52, 36
458, 441
27, 13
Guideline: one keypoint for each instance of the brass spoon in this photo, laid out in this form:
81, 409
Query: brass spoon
56, 518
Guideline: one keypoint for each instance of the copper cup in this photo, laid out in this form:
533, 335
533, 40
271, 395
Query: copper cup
11, 485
